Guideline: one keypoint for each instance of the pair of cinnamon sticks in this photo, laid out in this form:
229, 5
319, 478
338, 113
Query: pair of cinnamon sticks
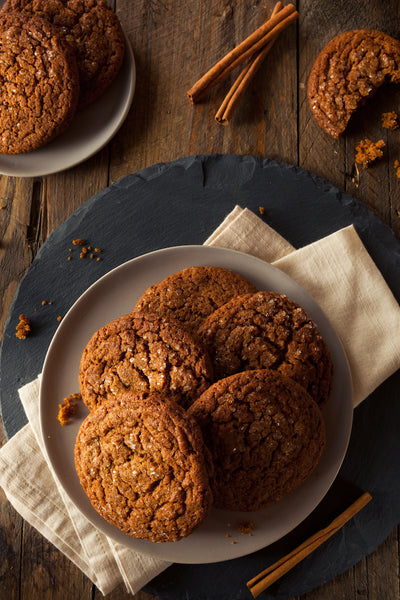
253, 49
263, 580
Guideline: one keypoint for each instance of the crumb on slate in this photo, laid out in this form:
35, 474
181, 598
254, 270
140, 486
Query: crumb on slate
23, 328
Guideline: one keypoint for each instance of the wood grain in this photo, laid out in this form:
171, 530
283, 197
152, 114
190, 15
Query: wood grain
175, 42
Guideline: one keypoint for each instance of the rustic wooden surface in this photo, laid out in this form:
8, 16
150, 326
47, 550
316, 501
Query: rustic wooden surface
174, 42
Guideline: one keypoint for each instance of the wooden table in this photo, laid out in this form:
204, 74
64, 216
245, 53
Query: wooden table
174, 42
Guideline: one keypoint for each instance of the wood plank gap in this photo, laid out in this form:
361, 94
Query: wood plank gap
36, 233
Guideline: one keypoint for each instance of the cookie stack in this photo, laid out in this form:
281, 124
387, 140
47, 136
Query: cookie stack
208, 393
56, 57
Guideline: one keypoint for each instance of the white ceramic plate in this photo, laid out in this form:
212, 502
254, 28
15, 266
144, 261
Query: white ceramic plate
91, 129
115, 294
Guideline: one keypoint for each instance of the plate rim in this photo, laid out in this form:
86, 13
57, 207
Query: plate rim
14, 171
148, 547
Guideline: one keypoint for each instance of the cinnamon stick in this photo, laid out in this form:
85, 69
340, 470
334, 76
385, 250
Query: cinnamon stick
240, 85
264, 579
259, 38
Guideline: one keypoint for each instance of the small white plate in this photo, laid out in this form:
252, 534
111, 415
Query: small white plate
91, 129
115, 294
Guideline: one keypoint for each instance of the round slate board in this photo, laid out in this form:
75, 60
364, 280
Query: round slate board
179, 203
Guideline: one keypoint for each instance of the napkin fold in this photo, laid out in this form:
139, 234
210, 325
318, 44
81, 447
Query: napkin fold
336, 271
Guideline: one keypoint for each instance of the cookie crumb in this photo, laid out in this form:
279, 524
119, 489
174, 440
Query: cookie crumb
368, 152
390, 120
68, 408
397, 168
245, 527
23, 328
59, 318
261, 210
78, 242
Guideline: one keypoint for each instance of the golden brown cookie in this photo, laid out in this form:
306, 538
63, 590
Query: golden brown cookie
267, 330
194, 293
347, 72
94, 33
39, 83
265, 434
143, 352
141, 460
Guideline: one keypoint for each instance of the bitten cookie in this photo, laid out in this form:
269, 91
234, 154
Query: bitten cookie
268, 330
143, 352
194, 293
265, 434
141, 460
39, 79
347, 72
93, 32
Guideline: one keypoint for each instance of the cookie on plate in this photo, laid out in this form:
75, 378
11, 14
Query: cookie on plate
194, 293
143, 352
39, 83
265, 434
267, 330
141, 460
93, 31
347, 71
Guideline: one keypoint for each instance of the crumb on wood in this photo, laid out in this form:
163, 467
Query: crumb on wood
368, 152
397, 168
390, 120
68, 408
23, 328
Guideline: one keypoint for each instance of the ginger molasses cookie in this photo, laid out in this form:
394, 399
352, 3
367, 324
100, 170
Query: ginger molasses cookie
39, 83
143, 352
94, 33
265, 434
141, 461
194, 293
267, 330
348, 71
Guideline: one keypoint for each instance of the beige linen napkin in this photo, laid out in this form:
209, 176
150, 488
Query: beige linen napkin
337, 271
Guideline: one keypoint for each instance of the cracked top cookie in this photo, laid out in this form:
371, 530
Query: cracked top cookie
268, 330
265, 434
194, 293
348, 71
143, 352
39, 83
141, 460
94, 33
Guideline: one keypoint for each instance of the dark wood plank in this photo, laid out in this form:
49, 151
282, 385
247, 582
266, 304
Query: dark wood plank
46, 573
